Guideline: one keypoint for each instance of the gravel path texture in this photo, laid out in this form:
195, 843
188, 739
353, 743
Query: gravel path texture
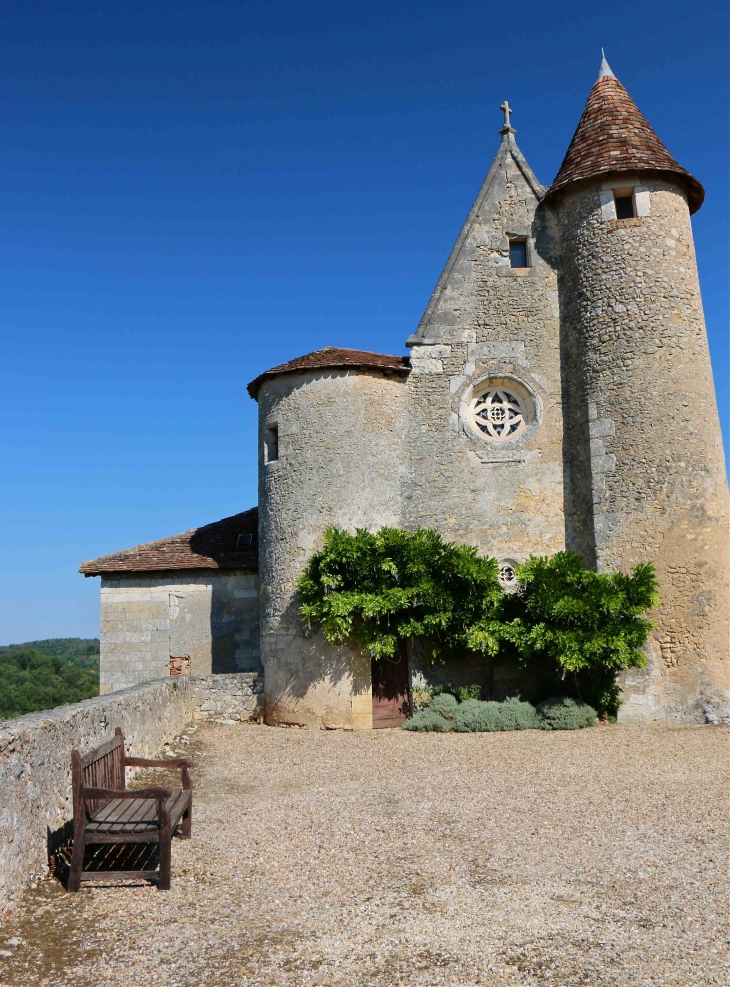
384, 858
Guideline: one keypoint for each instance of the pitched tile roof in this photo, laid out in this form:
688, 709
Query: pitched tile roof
333, 356
613, 136
211, 547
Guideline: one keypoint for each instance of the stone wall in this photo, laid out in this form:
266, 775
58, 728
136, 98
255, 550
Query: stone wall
35, 754
212, 616
487, 321
643, 426
340, 462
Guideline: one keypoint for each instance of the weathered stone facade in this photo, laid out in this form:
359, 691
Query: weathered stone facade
599, 332
485, 320
210, 616
558, 395
644, 429
35, 754
340, 461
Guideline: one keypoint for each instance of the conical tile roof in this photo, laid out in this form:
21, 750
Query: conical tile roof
613, 136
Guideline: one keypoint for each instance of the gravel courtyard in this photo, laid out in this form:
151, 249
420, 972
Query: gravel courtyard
588, 858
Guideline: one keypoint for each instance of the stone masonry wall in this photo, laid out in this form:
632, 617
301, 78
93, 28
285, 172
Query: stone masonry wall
489, 320
643, 418
209, 615
340, 462
35, 754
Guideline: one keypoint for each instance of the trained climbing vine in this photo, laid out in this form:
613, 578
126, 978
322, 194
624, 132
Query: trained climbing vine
567, 624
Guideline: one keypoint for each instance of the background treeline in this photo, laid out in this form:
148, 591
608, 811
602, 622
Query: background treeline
42, 674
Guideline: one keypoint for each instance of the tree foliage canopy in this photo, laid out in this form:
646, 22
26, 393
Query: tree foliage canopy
31, 680
378, 589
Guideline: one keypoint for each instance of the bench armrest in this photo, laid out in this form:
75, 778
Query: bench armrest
145, 762
181, 763
127, 793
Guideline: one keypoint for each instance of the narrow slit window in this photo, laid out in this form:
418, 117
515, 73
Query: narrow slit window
518, 253
271, 444
624, 206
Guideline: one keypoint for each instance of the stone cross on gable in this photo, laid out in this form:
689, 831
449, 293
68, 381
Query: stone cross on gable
507, 128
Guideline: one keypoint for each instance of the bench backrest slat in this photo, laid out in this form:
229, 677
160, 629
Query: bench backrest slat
101, 768
98, 752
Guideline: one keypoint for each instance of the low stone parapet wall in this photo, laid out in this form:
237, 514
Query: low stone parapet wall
238, 696
35, 754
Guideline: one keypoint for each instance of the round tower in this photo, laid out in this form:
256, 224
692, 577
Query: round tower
331, 427
642, 431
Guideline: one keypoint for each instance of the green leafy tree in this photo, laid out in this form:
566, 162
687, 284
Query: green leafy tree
572, 625
30, 681
379, 589
80, 651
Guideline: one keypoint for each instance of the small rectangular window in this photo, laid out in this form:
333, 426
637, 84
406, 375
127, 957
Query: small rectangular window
271, 444
624, 206
244, 541
518, 253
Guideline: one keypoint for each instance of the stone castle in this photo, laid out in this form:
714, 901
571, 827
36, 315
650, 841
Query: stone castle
558, 395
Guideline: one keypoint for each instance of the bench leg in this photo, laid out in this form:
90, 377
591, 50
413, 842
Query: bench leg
77, 860
186, 829
163, 883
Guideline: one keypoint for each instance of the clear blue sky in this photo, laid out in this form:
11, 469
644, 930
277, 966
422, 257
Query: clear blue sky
194, 192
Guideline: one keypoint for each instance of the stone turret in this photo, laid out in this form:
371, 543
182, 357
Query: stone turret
643, 442
331, 428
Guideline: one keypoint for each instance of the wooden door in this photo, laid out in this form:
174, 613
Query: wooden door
390, 690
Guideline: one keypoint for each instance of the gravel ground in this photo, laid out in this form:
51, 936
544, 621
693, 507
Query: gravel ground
589, 858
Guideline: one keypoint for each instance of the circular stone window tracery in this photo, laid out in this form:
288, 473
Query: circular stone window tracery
501, 409
508, 574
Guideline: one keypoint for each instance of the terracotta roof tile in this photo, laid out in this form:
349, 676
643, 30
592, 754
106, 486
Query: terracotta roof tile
613, 136
333, 356
210, 547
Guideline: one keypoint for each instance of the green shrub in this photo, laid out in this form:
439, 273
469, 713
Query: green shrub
428, 721
465, 692
445, 705
517, 715
564, 713
380, 589
474, 716
574, 628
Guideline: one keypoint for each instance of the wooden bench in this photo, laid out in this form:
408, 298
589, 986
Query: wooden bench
107, 812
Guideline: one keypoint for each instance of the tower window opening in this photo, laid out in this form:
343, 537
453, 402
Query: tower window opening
624, 204
518, 253
271, 444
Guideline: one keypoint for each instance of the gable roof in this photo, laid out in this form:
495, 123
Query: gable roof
613, 136
507, 149
334, 356
211, 547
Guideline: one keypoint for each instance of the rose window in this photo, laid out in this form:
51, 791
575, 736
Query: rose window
508, 574
499, 413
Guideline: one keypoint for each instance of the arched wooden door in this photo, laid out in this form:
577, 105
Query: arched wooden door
390, 690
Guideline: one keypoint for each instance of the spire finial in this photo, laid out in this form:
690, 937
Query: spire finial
507, 129
605, 69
